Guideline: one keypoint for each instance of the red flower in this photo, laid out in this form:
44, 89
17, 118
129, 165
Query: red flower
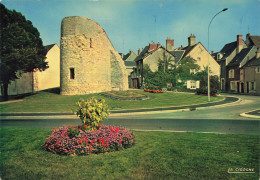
90, 149
85, 126
93, 141
99, 140
86, 141
57, 142
120, 140
79, 141
69, 126
117, 129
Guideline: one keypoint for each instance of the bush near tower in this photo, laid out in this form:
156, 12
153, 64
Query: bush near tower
91, 137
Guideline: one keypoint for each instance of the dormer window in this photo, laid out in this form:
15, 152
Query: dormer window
218, 56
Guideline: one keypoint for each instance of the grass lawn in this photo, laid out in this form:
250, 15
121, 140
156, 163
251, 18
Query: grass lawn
156, 155
53, 102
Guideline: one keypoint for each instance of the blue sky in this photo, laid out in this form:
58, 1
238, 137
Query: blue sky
133, 24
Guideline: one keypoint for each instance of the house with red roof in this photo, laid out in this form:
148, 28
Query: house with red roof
239, 65
152, 53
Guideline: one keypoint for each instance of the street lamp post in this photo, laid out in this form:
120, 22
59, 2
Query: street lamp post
209, 52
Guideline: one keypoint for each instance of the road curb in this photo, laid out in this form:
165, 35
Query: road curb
246, 114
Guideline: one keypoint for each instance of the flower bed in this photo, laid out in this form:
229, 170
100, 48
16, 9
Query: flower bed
153, 90
204, 92
81, 141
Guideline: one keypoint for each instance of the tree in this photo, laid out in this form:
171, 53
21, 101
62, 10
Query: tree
21, 48
164, 64
183, 71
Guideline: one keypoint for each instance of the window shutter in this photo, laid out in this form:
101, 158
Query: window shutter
188, 84
197, 84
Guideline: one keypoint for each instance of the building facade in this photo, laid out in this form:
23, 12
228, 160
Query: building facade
39, 80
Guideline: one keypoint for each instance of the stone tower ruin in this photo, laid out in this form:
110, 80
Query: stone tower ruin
89, 62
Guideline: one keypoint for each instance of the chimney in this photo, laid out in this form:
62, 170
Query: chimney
247, 39
192, 40
239, 43
158, 45
212, 52
152, 47
139, 52
169, 44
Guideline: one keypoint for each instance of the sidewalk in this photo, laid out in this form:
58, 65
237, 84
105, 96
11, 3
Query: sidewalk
227, 100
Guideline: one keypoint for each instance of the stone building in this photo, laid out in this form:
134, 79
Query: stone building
129, 60
251, 75
239, 62
89, 62
198, 52
154, 52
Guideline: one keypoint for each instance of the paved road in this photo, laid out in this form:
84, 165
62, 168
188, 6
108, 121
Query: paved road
230, 111
193, 125
220, 118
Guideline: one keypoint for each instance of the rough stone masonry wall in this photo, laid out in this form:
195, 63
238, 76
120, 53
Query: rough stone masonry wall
86, 48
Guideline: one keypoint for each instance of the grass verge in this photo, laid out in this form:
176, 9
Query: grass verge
156, 155
53, 102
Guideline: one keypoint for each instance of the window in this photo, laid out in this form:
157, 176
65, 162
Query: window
252, 86
258, 69
192, 71
241, 74
231, 73
232, 85
193, 84
218, 57
72, 73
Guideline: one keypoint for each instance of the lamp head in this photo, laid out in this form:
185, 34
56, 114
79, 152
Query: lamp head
225, 9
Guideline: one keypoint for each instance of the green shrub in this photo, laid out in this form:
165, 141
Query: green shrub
92, 112
73, 132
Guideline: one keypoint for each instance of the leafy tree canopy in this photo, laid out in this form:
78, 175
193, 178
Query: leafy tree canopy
183, 69
21, 48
